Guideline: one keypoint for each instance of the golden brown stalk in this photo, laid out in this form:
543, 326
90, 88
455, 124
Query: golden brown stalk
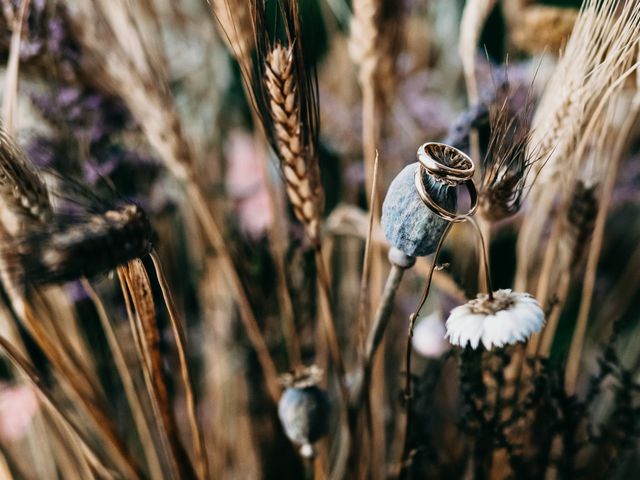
560, 260
375, 38
234, 19
21, 188
10, 93
301, 174
543, 29
474, 16
616, 150
78, 385
236, 24
5, 471
363, 35
138, 289
230, 440
21, 363
133, 398
180, 338
363, 50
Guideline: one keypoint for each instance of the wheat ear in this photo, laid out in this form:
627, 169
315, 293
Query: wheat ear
301, 176
21, 188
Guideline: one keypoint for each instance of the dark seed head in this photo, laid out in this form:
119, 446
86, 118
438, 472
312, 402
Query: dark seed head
94, 245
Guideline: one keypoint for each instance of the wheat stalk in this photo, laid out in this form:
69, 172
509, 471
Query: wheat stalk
474, 16
234, 19
599, 57
90, 453
133, 398
187, 382
615, 149
13, 66
136, 289
301, 174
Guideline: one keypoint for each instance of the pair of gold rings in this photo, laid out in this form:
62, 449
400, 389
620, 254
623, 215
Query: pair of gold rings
457, 170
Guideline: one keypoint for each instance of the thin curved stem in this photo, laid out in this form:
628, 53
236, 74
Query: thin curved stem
485, 257
250, 323
132, 395
177, 327
408, 390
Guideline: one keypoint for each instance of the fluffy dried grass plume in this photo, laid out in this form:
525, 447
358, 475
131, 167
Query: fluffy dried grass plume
301, 175
542, 28
599, 56
508, 161
21, 188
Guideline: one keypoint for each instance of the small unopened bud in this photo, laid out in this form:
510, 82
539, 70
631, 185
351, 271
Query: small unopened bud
408, 223
304, 413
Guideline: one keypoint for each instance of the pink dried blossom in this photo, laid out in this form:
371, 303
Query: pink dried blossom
18, 405
246, 183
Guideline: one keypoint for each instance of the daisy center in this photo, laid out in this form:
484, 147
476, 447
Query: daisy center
487, 306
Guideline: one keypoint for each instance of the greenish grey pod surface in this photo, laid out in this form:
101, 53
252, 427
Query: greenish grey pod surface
304, 414
408, 223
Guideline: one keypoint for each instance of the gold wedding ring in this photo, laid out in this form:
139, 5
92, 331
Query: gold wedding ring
458, 171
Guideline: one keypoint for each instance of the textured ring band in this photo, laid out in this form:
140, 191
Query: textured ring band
437, 209
458, 174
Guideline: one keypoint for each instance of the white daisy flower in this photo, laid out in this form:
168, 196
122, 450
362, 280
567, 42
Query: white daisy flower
428, 337
507, 318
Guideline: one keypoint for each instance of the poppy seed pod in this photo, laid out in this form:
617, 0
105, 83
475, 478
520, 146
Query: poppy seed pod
304, 414
408, 223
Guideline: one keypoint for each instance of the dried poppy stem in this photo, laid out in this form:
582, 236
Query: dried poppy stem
179, 335
408, 389
400, 262
408, 385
